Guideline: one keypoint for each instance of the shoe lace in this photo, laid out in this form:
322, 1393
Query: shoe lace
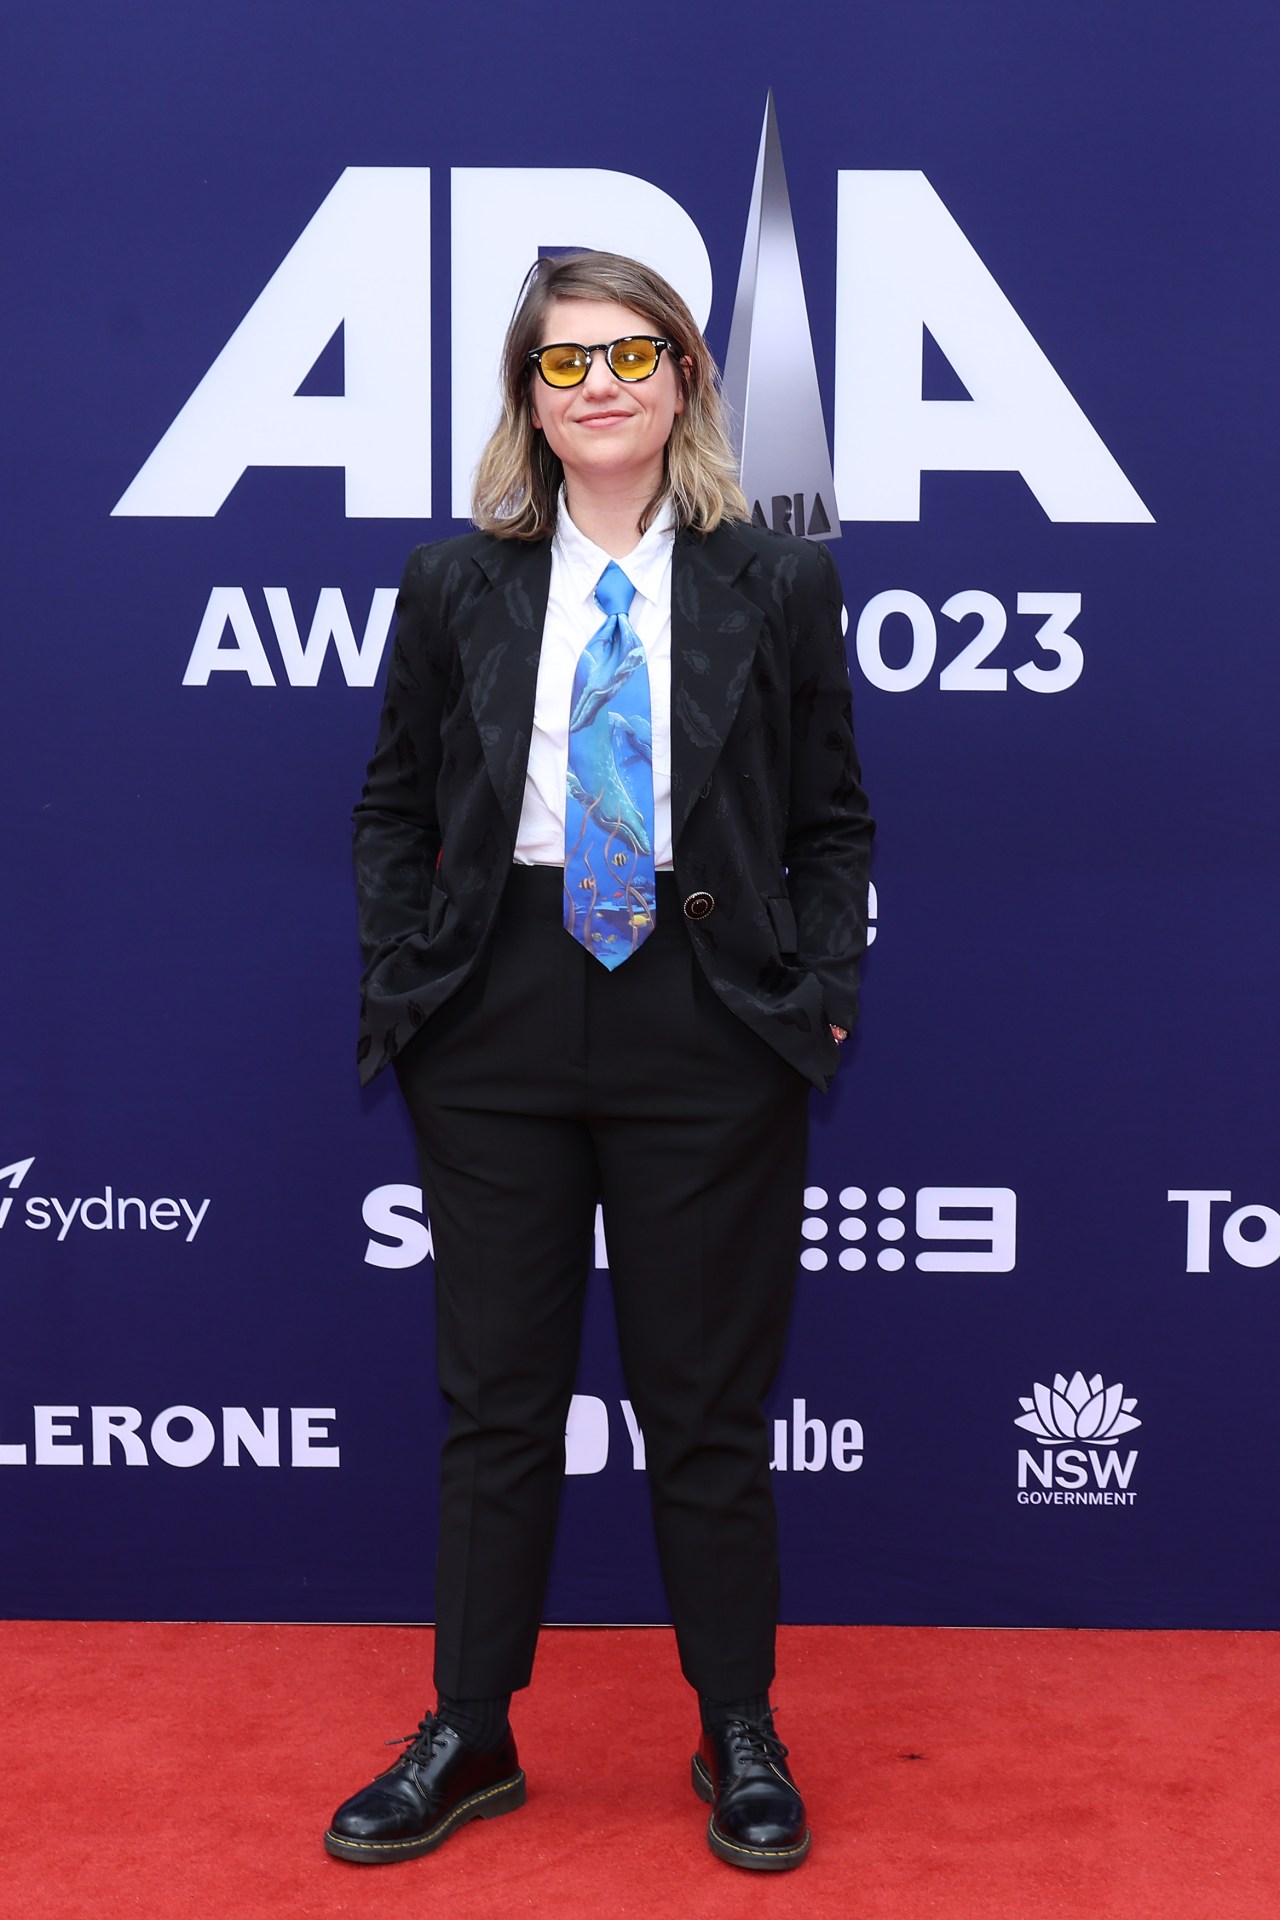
755, 1739
418, 1746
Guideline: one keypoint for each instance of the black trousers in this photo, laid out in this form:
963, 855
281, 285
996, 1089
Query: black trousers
545, 1085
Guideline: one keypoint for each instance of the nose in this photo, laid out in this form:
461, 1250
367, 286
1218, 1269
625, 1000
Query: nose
600, 382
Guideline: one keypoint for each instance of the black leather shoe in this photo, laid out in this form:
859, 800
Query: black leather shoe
430, 1791
757, 1815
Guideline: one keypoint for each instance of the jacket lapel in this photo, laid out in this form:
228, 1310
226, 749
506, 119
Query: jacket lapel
499, 651
714, 633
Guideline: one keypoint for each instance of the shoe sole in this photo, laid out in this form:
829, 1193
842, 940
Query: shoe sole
487, 1804
756, 1859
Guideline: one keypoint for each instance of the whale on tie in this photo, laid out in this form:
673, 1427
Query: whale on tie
632, 738
603, 680
605, 796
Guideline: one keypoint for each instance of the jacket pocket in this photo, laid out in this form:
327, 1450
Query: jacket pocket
783, 919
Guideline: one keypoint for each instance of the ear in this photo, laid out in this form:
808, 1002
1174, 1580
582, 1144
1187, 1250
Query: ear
686, 369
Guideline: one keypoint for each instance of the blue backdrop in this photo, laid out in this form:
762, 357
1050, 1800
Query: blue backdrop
1037, 268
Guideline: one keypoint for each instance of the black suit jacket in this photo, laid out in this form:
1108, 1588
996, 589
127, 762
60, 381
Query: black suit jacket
767, 813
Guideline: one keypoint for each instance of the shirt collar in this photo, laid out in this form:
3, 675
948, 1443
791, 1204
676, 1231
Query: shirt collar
645, 565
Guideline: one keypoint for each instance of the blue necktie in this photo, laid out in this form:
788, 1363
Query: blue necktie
609, 899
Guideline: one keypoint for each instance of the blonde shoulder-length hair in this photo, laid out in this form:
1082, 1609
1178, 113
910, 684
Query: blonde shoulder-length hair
517, 483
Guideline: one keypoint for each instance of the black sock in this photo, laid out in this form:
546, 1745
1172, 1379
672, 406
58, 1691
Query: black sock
752, 1706
479, 1724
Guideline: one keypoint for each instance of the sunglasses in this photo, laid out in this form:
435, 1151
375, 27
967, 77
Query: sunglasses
567, 364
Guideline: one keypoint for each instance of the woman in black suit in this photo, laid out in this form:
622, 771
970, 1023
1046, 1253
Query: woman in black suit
612, 860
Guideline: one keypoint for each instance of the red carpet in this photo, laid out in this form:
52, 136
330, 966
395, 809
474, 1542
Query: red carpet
175, 1771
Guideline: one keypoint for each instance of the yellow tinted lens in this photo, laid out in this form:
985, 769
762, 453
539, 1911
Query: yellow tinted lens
633, 359
563, 366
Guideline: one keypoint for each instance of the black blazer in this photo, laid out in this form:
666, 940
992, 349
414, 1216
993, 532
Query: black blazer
767, 815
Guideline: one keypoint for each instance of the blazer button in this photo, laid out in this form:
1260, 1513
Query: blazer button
698, 906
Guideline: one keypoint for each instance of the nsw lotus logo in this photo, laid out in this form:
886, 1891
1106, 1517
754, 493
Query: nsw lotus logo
1078, 1409
1078, 1463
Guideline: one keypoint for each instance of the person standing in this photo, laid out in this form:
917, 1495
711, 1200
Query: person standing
612, 863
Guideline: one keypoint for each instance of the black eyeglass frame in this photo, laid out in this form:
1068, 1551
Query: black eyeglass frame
606, 347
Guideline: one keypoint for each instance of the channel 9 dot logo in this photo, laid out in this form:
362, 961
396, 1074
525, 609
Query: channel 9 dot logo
856, 1232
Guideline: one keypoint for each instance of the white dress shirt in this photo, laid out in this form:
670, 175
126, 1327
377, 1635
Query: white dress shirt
573, 616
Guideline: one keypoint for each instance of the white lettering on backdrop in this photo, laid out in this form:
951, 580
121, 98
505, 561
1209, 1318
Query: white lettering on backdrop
902, 265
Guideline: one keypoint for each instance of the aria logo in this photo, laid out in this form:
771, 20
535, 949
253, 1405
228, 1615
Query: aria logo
1079, 1475
331, 365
